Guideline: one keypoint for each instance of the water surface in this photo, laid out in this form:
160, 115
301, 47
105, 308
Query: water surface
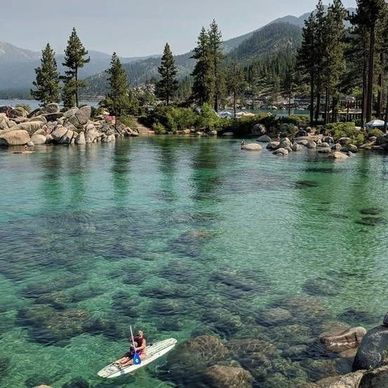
158, 232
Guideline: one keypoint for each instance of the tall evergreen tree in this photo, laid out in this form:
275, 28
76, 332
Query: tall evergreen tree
47, 78
167, 87
74, 60
367, 16
306, 58
235, 83
216, 58
203, 85
117, 100
333, 54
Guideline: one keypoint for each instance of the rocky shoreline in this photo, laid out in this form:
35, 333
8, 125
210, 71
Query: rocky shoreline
49, 125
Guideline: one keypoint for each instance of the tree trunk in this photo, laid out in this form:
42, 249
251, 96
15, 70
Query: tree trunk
333, 110
234, 105
386, 112
311, 99
371, 66
326, 105
289, 103
76, 87
318, 107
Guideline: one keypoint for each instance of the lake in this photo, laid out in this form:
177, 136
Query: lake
33, 104
183, 237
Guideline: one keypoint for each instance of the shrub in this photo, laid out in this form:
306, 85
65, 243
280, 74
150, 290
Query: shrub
375, 132
159, 128
348, 129
209, 119
178, 119
298, 120
128, 121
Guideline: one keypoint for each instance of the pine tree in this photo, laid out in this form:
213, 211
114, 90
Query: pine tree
167, 87
289, 85
306, 58
47, 78
216, 58
333, 54
235, 83
367, 16
74, 60
203, 84
117, 101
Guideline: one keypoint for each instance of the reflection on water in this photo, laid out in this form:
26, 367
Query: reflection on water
184, 237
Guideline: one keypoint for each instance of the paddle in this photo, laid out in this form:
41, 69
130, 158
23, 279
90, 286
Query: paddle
136, 358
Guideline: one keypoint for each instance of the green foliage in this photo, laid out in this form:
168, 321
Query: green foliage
338, 130
180, 118
167, 87
74, 60
118, 100
46, 84
208, 118
128, 121
159, 128
375, 132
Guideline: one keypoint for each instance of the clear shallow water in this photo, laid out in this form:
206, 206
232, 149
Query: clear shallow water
182, 237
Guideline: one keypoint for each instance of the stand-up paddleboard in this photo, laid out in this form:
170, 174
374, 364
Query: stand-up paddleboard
153, 352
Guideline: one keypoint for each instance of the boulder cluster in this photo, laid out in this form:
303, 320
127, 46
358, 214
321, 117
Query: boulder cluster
317, 143
50, 125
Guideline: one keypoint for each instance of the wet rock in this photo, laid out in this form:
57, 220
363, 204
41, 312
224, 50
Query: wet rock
251, 147
47, 325
311, 144
318, 369
222, 321
58, 133
272, 145
125, 304
14, 138
355, 317
350, 380
305, 184
377, 378
371, 221
324, 150
372, 352
219, 376
273, 316
322, 286
77, 382
281, 152
295, 334
344, 141
372, 211
344, 340
264, 139
190, 359
297, 147
338, 155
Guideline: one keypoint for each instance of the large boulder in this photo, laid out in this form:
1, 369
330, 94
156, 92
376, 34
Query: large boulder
83, 114
377, 378
343, 340
52, 108
251, 147
58, 133
38, 139
338, 155
297, 147
311, 144
80, 139
67, 137
219, 376
281, 152
4, 122
350, 380
264, 139
273, 145
30, 126
14, 137
373, 350
92, 135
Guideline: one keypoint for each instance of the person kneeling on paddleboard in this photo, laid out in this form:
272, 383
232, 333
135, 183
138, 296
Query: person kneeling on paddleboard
140, 344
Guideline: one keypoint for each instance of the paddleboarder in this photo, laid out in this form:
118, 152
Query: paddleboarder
136, 351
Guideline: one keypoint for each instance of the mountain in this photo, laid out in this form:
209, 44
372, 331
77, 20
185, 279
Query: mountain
17, 66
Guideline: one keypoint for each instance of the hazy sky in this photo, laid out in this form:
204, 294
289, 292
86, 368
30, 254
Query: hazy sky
136, 27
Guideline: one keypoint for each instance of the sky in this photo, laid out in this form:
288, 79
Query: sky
136, 27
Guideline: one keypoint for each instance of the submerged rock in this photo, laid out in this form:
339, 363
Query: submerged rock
264, 139
222, 321
343, 340
372, 211
273, 316
377, 378
218, 376
322, 286
281, 152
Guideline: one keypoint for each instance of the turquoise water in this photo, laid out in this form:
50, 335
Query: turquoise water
182, 237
